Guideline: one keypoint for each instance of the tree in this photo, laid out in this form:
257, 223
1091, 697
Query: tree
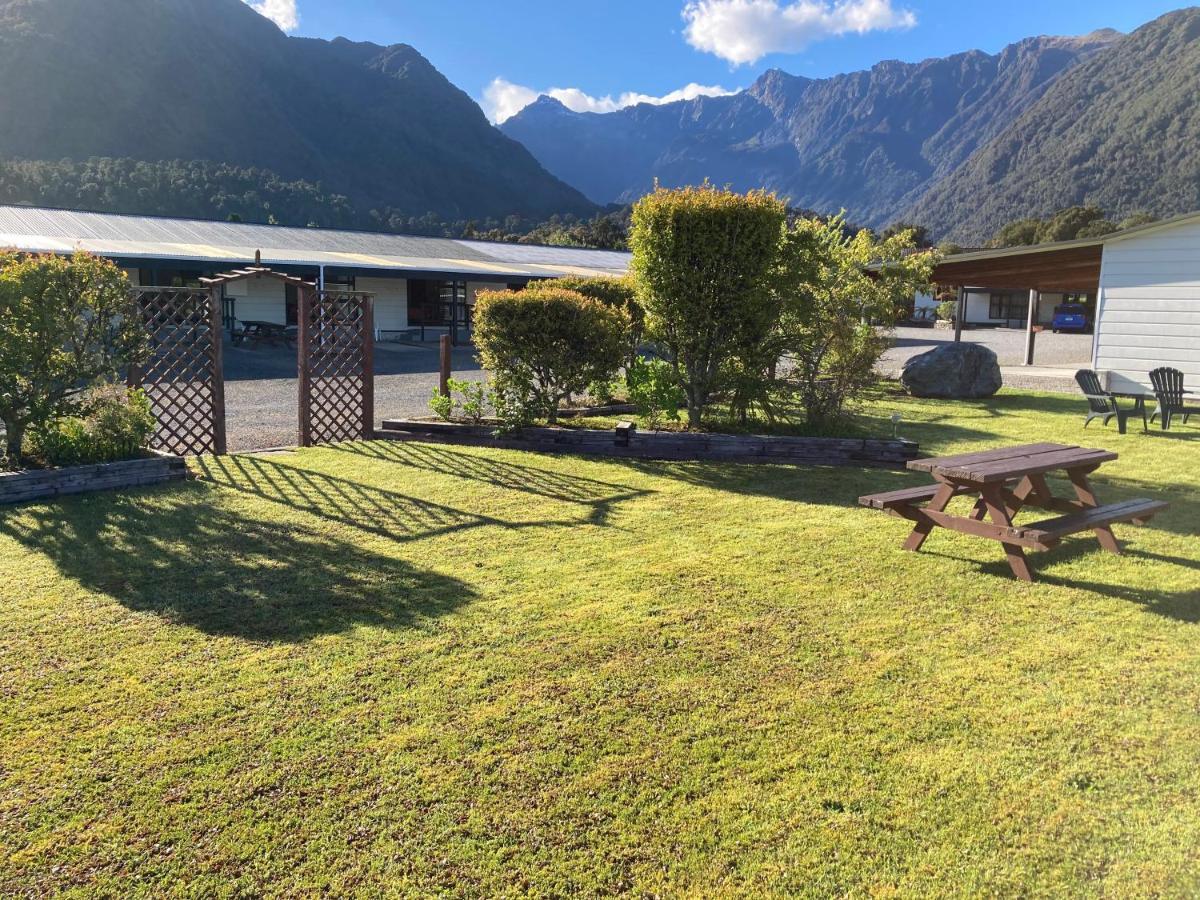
704, 261
1022, 233
839, 291
547, 343
66, 324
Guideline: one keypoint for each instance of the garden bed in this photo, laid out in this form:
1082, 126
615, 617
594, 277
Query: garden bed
40, 484
669, 445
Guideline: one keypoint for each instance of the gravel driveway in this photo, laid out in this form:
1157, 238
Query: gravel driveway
261, 389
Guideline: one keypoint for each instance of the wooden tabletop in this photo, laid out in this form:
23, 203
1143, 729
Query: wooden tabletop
1005, 463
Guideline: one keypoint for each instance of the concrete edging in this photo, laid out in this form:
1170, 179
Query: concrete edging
42, 484
666, 445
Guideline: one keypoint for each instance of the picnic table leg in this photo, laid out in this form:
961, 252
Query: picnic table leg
938, 504
993, 497
1087, 498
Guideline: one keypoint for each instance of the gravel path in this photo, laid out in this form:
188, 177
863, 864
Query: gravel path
261, 389
1065, 352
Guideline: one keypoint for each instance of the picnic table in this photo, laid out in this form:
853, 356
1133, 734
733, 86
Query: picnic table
1005, 481
263, 333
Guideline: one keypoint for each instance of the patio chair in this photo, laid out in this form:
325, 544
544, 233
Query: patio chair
1168, 389
1103, 405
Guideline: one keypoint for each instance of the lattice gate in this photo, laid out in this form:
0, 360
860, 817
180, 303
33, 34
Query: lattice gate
336, 366
182, 375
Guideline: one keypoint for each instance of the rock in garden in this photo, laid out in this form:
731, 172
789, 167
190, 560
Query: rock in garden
954, 372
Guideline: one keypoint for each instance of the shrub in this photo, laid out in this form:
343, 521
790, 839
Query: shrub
547, 343
442, 405
117, 424
654, 390
947, 310
619, 293
66, 324
704, 260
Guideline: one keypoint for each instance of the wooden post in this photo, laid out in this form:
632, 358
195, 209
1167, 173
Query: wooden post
960, 315
217, 335
368, 400
444, 380
1030, 336
304, 302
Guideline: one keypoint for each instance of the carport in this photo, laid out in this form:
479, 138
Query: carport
1068, 267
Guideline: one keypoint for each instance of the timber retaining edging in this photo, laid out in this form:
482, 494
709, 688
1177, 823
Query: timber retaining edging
43, 484
666, 445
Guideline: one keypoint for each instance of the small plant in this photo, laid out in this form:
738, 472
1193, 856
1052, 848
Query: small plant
117, 424
515, 407
947, 310
602, 392
475, 399
654, 391
442, 405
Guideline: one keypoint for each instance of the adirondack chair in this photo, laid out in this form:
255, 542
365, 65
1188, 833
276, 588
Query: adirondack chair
1103, 405
1168, 388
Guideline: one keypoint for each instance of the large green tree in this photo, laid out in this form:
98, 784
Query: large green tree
704, 261
66, 324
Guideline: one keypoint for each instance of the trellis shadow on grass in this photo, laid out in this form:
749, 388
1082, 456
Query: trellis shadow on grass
384, 512
178, 554
510, 476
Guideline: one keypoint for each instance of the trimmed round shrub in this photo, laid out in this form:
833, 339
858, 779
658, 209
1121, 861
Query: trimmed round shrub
619, 293
547, 344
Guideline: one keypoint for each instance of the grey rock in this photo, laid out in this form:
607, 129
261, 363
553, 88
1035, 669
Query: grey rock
953, 372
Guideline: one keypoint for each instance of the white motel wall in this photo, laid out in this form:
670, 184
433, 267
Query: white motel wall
1150, 305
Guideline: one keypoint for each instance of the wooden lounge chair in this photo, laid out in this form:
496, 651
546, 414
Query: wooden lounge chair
1103, 405
1168, 389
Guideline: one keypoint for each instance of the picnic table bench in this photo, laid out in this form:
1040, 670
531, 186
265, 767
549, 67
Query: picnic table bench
1005, 481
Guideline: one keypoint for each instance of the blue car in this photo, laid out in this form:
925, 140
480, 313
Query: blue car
1070, 317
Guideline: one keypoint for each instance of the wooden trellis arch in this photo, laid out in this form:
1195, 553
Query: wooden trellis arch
182, 375
335, 349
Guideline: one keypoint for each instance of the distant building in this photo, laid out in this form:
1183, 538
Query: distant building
416, 281
1142, 286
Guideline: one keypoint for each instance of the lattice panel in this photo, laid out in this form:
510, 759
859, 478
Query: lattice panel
339, 348
182, 376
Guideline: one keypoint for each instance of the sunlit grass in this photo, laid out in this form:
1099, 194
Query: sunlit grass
408, 668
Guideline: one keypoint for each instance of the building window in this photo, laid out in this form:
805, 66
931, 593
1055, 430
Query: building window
1008, 307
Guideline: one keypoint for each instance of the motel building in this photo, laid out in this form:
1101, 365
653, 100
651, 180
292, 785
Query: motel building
422, 286
1141, 286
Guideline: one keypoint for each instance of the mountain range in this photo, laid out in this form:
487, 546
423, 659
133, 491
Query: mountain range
960, 144
204, 107
212, 80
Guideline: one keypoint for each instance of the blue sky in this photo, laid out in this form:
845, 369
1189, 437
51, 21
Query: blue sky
600, 55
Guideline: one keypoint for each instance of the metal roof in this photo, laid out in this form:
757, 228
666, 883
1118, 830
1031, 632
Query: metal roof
147, 237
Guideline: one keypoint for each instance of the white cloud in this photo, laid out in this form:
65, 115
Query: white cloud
282, 12
744, 31
502, 99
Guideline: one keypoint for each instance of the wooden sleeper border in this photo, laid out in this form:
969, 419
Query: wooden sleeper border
665, 445
43, 484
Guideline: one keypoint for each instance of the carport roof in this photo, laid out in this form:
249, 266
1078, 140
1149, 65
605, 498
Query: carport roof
41, 230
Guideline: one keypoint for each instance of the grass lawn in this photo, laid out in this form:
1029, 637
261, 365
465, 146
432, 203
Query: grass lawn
409, 668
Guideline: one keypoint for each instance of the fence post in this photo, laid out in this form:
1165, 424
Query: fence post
1030, 334
960, 314
217, 335
368, 326
304, 302
444, 381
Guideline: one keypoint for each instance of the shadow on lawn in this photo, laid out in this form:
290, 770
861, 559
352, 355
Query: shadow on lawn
510, 476
398, 516
175, 553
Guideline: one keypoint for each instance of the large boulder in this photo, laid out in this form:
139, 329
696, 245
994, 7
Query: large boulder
953, 371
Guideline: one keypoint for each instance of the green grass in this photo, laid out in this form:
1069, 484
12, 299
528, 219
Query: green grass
421, 669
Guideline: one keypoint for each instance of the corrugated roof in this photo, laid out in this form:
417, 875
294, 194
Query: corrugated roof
147, 237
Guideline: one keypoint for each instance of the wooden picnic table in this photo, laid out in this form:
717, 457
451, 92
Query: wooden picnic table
1005, 481
264, 333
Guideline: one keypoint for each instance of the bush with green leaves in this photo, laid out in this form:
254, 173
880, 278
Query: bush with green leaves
619, 293
947, 310
442, 405
114, 424
654, 390
704, 261
471, 399
66, 324
547, 344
